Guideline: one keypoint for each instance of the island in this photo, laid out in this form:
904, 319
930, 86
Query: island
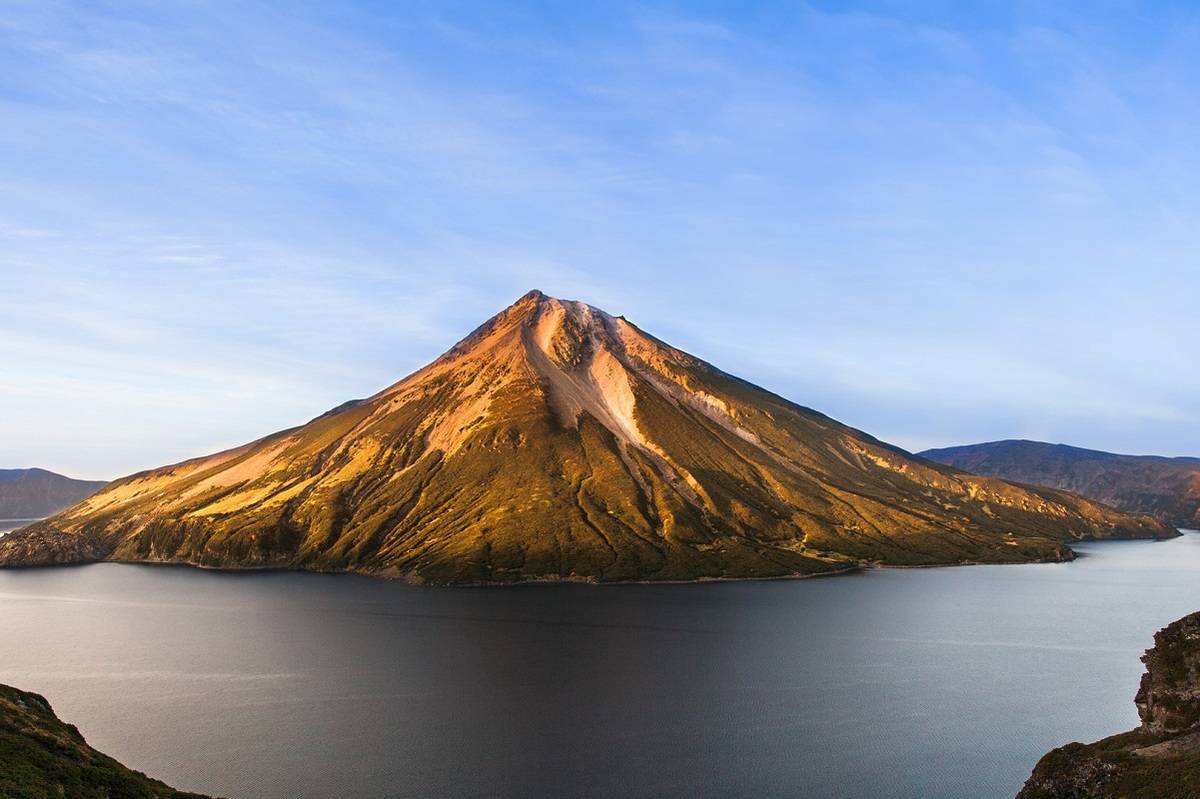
558, 442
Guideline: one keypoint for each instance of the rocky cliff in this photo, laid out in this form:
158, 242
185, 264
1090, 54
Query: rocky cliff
1158, 760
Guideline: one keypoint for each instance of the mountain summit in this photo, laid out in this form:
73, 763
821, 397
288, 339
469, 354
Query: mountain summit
557, 442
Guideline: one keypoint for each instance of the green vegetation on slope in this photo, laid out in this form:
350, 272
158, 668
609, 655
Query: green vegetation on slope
41, 757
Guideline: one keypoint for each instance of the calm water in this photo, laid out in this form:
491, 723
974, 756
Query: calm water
901, 683
8, 525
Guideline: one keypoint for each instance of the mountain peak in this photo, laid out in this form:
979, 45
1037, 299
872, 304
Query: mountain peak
563, 330
559, 442
577, 358
534, 302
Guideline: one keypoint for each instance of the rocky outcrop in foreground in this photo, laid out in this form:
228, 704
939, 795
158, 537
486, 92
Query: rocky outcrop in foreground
42, 757
557, 442
1158, 760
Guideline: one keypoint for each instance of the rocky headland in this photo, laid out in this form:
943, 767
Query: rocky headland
1158, 760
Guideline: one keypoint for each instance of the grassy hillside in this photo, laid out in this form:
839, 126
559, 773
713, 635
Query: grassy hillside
42, 757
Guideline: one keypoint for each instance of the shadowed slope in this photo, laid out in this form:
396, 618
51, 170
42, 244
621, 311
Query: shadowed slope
1167, 488
33, 493
558, 442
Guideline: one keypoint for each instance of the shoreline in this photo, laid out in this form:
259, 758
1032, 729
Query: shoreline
405, 580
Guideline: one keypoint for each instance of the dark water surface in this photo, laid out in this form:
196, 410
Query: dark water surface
898, 683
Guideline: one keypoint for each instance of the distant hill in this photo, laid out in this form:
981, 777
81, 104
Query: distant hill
1167, 488
42, 756
557, 442
34, 493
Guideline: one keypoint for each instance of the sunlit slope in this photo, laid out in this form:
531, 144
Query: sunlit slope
558, 442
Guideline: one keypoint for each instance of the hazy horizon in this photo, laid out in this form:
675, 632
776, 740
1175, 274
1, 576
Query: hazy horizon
940, 226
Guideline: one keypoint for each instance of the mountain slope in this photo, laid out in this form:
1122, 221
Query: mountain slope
33, 493
1158, 760
41, 756
1167, 488
558, 442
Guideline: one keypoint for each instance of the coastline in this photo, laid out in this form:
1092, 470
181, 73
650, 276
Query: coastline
860, 567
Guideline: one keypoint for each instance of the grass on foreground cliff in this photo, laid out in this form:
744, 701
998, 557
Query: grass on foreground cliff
42, 757
1176, 777
1159, 778
1131, 776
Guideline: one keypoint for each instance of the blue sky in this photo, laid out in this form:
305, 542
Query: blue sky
939, 222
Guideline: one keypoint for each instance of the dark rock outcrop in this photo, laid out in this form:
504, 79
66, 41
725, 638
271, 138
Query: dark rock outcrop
1168, 699
43, 545
1158, 760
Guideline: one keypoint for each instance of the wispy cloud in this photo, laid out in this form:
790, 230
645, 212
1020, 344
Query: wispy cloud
217, 219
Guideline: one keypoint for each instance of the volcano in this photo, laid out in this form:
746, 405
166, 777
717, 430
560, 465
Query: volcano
557, 442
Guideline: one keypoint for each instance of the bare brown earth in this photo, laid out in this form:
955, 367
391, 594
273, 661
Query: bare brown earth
1167, 488
557, 442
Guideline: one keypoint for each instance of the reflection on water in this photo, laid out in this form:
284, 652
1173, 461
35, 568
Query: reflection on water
905, 683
